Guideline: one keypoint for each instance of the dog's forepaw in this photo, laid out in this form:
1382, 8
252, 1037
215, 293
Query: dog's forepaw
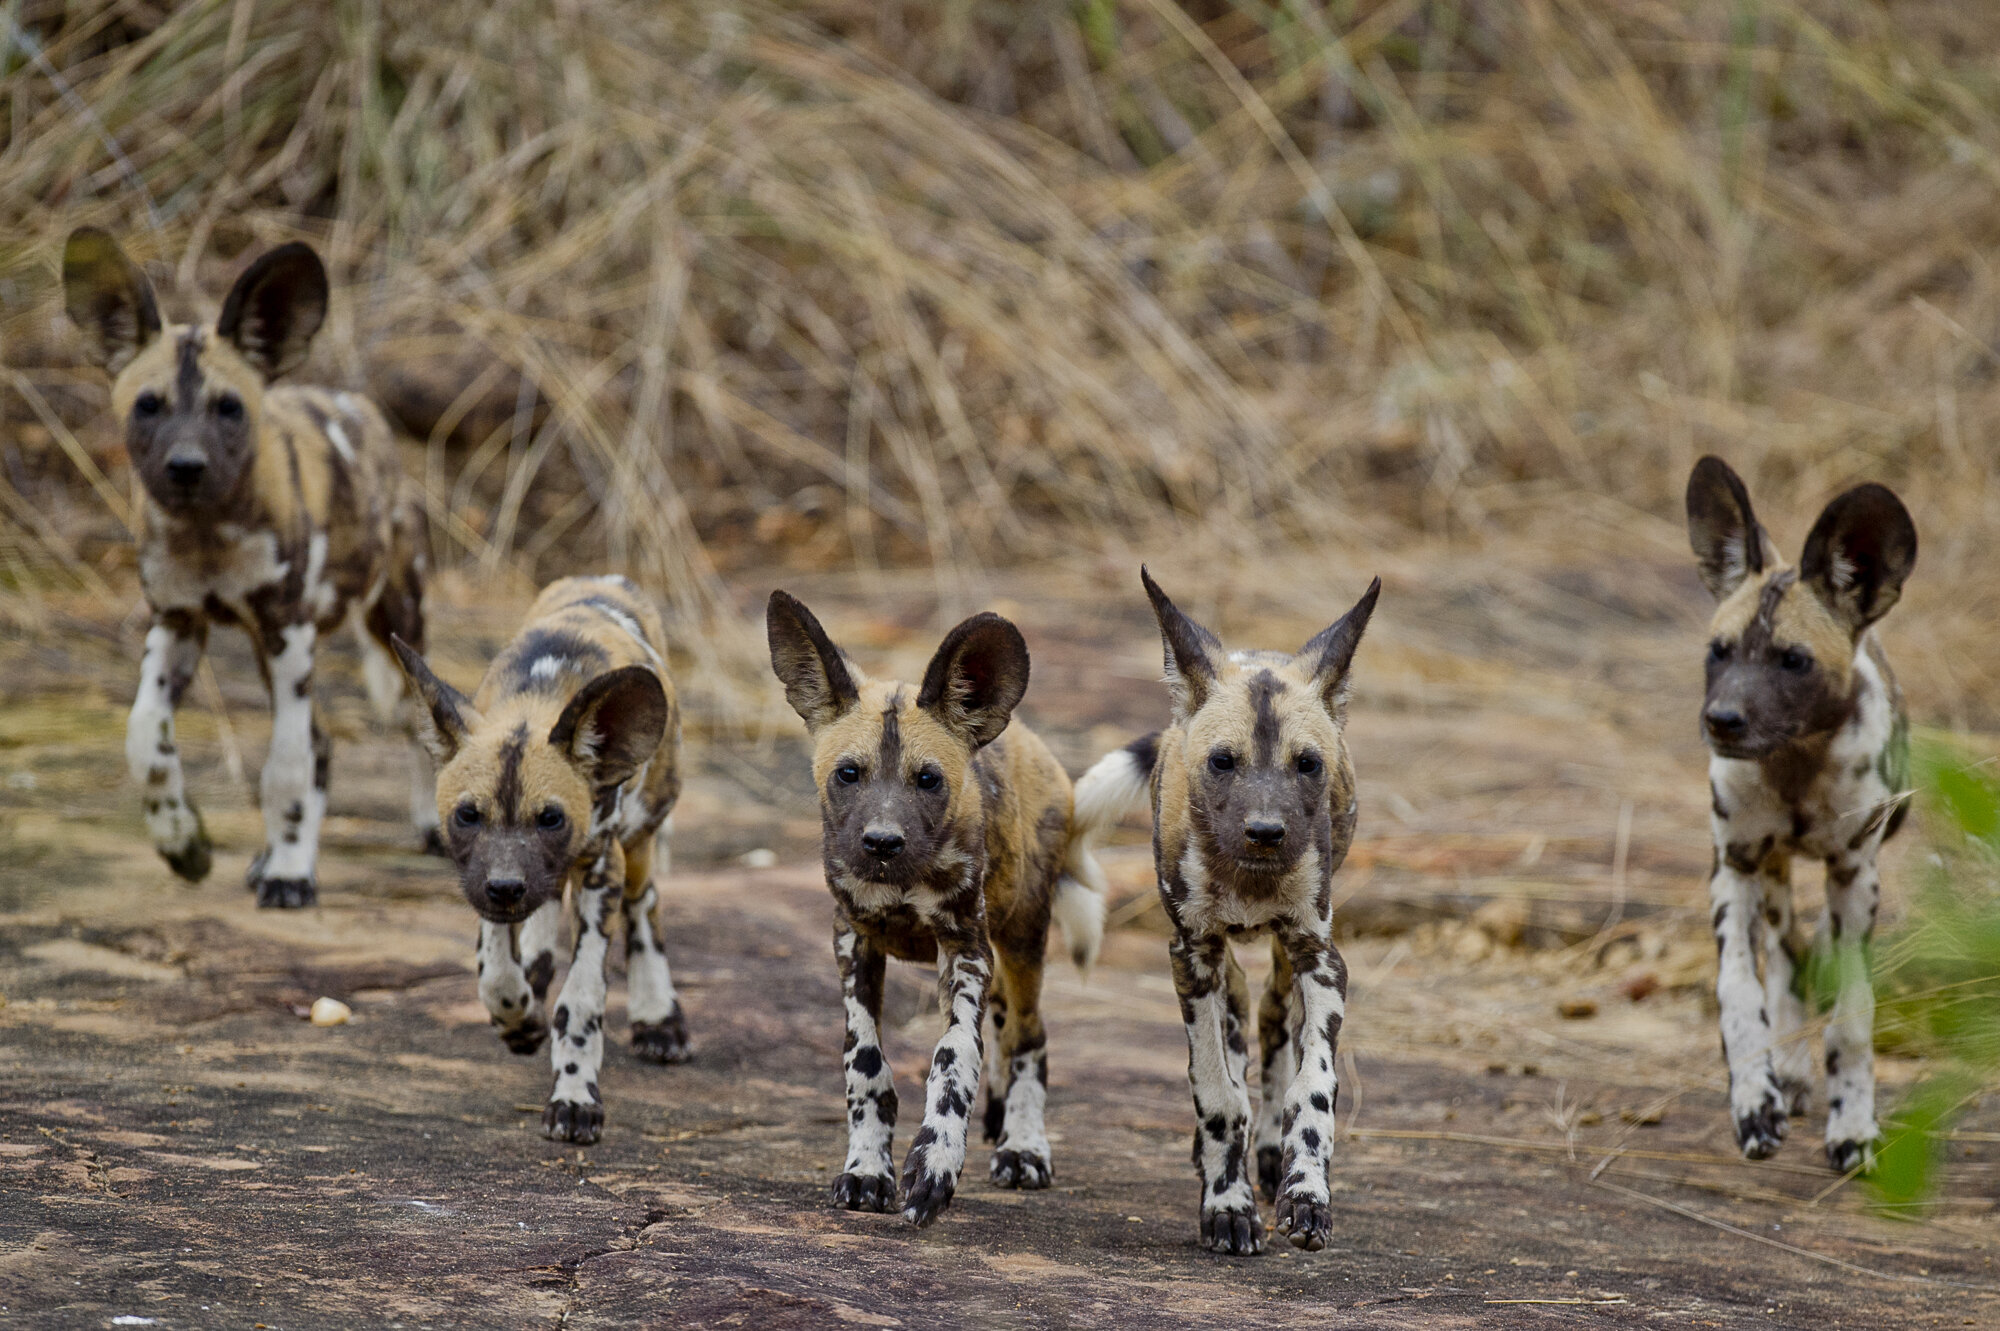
664, 1041
286, 893
1025, 1170
1759, 1132
573, 1121
926, 1191
1847, 1155
1235, 1231
1270, 1169
1306, 1221
865, 1192
527, 1038
193, 860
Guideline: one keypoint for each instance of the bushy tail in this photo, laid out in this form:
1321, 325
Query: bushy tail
1113, 784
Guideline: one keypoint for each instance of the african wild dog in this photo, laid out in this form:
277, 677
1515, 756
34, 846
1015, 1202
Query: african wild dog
1809, 754
563, 769
1253, 809
943, 839
279, 509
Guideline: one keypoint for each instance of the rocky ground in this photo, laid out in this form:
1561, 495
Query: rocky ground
178, 1147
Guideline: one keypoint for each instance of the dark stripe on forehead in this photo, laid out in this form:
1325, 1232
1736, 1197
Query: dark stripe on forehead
507, 791
1264, 690
890, 757
188, 375
1764, 624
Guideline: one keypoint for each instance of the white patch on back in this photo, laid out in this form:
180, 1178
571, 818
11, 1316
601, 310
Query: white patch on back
338, 438
319, 594
631, 627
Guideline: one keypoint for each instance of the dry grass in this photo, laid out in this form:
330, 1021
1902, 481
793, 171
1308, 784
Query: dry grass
688, 288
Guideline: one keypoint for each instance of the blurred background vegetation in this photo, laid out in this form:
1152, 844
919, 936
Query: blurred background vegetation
1938, 975
959, 283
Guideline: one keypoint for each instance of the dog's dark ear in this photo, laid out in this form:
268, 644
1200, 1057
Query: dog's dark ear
976, 678
818, 684
613, 725
1331, 652
1860, 550
447, 716
1194, 655
1728, 542
274, 309
108, 299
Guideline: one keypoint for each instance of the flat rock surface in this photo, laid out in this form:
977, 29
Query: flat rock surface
178, 1144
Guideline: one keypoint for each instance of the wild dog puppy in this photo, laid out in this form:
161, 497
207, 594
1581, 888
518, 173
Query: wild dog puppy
562, 770
944, 840
281, 510
1809, 755
1253, 809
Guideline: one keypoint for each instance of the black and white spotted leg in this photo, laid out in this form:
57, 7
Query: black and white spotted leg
659, 1025
937, 1152
1277, 1062
1305, 1200
1784, 999
575, 1112
1756, 1104
1229, 1219
994, 1120
1853, 894
515, 964
867, 1181
294, 780
1021, 1155
173, 650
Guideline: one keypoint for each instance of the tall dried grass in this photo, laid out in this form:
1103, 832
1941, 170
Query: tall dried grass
835, 281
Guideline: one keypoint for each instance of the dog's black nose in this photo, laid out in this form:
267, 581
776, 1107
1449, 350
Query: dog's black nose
1264, 832
1725, 724
882, 842
185, 471
505, 892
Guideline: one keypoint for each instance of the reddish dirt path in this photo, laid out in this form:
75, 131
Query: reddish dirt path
176, 1144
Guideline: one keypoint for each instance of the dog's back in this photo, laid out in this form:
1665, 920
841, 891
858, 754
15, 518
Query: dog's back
577, 630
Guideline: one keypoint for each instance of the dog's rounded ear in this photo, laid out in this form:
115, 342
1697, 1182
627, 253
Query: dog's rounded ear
1728, 542
976, 678
108, 299
613, 725
1860, 551
1331, 652
1193, 654
274, 309
818, 683
448, 717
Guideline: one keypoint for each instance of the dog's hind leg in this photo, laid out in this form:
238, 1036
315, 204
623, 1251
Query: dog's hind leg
173, 650
1021, 1158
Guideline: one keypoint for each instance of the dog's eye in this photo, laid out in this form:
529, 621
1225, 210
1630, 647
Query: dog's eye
466, 815
1308, 763
229, 407
1222, 760
847, 774
1718, 650
1795, 660
149, 404
550, 818
929, 779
